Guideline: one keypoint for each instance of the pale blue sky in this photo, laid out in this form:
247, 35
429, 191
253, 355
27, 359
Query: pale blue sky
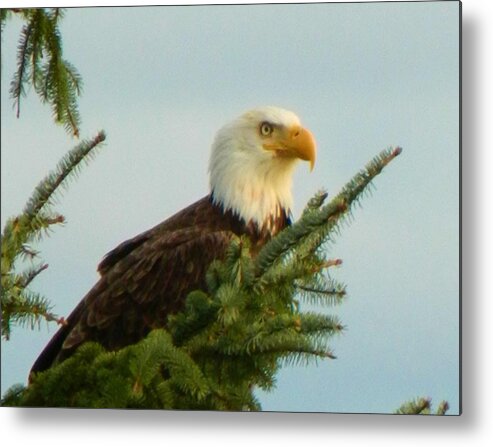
362, 77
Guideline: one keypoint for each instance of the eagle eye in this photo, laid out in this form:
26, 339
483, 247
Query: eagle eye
266, 129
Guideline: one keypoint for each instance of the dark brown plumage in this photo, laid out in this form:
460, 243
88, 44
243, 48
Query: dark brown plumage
146, 278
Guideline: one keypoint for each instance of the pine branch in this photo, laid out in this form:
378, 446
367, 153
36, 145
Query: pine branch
68, 167
25, 309
320, 222
329, 294
279, 246
31, 273
157, 350
57, 82
20, 230
320, 288
19, 305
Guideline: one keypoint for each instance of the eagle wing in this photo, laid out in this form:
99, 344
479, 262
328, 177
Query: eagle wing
143, 280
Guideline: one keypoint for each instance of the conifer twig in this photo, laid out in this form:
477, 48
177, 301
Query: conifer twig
322, 220
57, 82
330, 292
32, 274
67, 167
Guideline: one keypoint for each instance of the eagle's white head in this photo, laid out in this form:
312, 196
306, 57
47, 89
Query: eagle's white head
252, 163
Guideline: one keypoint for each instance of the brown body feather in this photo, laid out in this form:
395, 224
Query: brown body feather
146, 278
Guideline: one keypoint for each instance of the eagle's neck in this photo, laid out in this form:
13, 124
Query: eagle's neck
257, 191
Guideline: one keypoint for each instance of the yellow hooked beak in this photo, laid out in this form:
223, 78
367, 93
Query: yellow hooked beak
293, 142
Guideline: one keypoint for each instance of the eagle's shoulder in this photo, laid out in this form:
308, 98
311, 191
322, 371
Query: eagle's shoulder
196, 220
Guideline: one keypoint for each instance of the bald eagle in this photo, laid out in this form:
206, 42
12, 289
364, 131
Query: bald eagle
147, 278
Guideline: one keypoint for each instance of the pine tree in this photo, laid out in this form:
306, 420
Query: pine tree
231, 338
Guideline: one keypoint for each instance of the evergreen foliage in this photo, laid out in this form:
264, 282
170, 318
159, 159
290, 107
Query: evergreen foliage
229, 339
20, 305
40, 63
422, 406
